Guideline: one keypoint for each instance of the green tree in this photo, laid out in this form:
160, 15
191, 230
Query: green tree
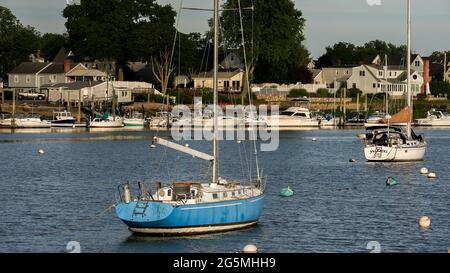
17, 42
122, 30
274, 38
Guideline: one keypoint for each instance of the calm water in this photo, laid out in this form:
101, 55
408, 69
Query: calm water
338, 206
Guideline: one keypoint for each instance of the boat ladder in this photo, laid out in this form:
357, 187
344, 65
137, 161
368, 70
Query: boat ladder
140, 208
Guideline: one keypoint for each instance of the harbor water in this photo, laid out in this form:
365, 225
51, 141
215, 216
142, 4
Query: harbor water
64, 194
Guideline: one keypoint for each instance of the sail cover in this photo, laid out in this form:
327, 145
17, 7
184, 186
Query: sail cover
404, 116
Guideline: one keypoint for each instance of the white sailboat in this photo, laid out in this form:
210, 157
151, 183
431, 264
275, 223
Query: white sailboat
389, 143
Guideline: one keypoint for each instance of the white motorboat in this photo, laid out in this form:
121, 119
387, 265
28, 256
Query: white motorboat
434, 118
293, 117
32, 121
375, 117
136, 120
109, 122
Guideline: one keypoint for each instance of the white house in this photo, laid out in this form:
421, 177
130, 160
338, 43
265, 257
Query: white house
372, 79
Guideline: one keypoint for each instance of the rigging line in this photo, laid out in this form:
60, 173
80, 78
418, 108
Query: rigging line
176, 32
250, 99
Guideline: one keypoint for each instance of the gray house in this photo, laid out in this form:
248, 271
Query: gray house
26, 76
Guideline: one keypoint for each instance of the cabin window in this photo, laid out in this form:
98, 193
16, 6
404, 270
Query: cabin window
215, 196
300, 115
225, 195
362, 73
192, 193
169, 192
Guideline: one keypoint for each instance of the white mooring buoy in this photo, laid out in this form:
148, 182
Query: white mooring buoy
424, 171
41, 151
250, 249
238, 142
153, 146
432, 175
314, 139
424, 222
352, 160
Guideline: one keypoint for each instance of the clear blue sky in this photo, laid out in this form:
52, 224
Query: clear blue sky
327, 21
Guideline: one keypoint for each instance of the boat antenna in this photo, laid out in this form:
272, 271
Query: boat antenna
250, 98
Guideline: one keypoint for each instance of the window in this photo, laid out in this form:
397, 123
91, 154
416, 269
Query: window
354, 85
169, 192
236, 85
52, 78
380, 73
233, 193
346, 72
417, 63
16, 78
300, 115
362, 73
226, 84
215, 196
225, 195
239, 191
374, 85
28, 78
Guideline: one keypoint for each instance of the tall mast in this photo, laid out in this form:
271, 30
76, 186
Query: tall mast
408, 68
215, 148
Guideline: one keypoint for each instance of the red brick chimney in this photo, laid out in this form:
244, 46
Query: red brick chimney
67, 65
426, 75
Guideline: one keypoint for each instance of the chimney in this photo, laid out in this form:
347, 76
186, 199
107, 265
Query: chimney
67, 63
426, 75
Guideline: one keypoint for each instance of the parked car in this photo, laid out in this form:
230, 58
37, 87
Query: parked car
31, 96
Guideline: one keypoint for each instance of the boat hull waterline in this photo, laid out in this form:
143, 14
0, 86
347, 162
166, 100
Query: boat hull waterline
167, 219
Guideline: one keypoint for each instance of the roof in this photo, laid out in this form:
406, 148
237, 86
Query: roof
219, 74
86, 73
28, 68
73, 85
62, 55
57, 68
316, 72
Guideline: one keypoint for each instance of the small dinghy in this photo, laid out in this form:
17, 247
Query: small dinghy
286, 192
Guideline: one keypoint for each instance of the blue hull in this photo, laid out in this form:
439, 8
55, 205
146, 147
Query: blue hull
162, 216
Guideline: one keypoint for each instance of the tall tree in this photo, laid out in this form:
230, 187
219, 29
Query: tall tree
274, 37
120, 30
17, 42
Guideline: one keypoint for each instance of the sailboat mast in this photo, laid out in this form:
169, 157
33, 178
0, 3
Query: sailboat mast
408, 67
215, 148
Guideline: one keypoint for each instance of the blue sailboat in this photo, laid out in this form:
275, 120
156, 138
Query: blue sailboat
187, 208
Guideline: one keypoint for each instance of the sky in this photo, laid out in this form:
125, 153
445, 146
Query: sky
327, 21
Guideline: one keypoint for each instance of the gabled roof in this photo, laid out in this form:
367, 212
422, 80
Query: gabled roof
62, 55
28, 68
219, 74
73, 85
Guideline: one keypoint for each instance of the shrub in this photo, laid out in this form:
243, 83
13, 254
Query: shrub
297, 93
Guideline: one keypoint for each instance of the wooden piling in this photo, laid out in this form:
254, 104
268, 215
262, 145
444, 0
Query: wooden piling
79, 106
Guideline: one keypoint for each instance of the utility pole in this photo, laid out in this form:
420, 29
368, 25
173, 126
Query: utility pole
13, 123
